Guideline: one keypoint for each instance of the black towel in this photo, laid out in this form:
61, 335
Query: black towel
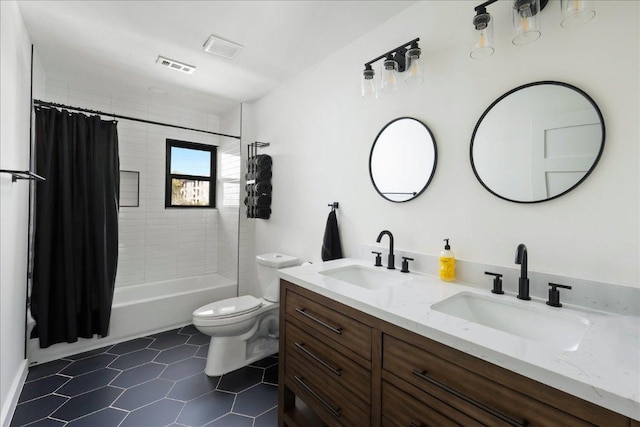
331, 243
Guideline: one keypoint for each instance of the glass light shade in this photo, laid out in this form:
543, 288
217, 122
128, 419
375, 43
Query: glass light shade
482, 41
369, 89
389, 80
414, 67
525, 21
576, 12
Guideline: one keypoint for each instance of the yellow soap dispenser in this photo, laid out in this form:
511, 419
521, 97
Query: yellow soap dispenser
447, 263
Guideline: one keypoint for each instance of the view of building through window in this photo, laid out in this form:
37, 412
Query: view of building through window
188, 192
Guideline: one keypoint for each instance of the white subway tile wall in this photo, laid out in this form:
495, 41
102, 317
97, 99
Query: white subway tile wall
156, 243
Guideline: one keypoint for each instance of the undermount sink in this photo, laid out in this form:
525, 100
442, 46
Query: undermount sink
541, 324
365, 277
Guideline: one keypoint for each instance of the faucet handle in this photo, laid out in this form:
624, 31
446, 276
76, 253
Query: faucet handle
405, 264
497, 282
554, 294
378, 258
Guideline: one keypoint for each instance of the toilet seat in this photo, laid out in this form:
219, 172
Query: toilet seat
230, 307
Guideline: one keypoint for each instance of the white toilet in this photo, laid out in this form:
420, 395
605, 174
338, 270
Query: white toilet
244, 329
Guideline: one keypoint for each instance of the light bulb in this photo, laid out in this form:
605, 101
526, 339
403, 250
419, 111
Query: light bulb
389, 82
482, 36
368, 83
525, 21
414, 66
576, 13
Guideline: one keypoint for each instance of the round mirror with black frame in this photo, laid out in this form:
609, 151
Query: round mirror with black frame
537, 142
403, 159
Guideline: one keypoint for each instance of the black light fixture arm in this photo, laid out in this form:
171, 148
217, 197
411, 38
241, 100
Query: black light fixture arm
482, 8
400, 49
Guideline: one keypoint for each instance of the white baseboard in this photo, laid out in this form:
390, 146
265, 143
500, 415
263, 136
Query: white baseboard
9, 405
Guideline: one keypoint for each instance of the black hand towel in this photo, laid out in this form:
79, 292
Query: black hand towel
331, 243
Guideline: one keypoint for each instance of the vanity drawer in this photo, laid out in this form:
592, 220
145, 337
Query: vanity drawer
326, 401
326, 361
468, 392
401, 409
331, 323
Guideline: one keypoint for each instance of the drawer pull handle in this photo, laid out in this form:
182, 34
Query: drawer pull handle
334, 411
337, 371
337, 330
423, 375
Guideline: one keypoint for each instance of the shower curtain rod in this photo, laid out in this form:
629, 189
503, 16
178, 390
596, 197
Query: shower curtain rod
39, 103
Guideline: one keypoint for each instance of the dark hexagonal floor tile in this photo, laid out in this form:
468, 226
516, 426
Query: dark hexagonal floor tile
164, 342
89, 364
165, 333
268, 419
41, 387
87, 403
189, 330
176, 354
206, 408
129, 346
143, 394
199, 339
86, 382
232, 420
265, 363
160, 413
44, 370
89, 353
271, 375
184, 369
138, 375
133, 359
256, 400
240, 379
194, 386
108, 417
203, 351
36, 409
48, 422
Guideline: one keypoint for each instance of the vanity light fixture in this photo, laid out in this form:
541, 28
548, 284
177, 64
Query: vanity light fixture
525, 22
403, 58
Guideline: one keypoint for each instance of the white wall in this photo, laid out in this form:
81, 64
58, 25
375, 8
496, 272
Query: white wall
15, 107
321, 133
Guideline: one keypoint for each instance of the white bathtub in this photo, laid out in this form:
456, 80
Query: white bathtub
140, 310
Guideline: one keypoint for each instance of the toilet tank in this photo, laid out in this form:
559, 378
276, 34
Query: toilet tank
268, 265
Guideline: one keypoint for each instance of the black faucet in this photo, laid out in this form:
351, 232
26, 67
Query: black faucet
523, 283
391, 262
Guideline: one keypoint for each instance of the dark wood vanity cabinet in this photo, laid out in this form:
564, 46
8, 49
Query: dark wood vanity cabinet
341, 367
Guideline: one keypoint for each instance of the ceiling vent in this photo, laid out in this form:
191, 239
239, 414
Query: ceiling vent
222, 47
175, 65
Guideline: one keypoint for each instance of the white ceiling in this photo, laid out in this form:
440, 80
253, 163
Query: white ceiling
112, 46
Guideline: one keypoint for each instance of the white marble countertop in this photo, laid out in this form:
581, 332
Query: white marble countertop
605, 368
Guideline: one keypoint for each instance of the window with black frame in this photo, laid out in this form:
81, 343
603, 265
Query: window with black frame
190, 175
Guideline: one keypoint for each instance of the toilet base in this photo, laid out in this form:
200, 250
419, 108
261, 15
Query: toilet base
227, 354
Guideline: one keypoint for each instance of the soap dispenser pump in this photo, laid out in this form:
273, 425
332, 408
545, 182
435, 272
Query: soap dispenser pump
447, 263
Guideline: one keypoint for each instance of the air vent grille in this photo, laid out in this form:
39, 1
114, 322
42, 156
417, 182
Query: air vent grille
221, 47
175, 65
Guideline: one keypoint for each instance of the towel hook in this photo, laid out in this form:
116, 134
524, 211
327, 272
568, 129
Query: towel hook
333, 206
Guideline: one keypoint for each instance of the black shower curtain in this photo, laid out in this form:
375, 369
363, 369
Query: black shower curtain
76, 226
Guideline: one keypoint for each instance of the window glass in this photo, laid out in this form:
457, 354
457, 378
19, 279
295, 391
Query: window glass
187, 161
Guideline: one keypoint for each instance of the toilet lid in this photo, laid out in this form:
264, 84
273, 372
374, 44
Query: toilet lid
228, 307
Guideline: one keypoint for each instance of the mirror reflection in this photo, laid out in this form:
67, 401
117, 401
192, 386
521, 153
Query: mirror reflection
403, 159
537, 142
